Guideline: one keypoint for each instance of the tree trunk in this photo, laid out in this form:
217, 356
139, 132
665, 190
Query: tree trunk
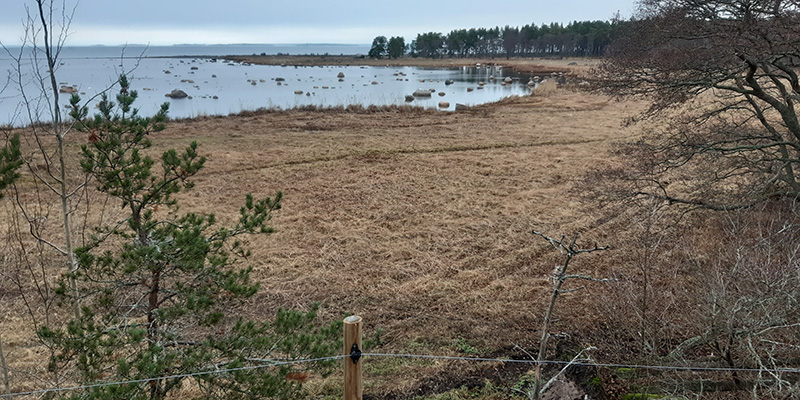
558, 279
72, 263
152, 307
156, 390
3, 364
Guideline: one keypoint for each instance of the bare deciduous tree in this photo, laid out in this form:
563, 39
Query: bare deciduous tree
34, 75
721, 79
569, 248
748, 294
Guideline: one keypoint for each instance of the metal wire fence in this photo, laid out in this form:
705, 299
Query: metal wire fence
421, 356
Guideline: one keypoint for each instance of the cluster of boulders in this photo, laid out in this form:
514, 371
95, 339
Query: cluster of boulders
418, 94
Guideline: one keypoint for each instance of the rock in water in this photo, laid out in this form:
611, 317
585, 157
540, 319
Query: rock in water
422, 93
177, 94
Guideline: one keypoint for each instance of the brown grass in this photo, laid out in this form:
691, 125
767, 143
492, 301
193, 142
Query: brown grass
418, 221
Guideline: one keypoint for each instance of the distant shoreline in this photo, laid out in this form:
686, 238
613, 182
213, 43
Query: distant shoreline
566, 65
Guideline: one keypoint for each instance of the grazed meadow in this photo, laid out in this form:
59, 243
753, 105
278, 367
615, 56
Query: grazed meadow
419, 221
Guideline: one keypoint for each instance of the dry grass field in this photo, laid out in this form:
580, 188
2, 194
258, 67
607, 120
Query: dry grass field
417, 220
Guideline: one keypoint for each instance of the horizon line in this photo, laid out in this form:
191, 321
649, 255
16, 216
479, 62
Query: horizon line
208, 44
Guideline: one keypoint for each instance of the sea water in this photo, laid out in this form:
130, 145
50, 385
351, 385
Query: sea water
217, 86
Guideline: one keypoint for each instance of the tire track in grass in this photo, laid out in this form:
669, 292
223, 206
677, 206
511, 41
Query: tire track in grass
438, 150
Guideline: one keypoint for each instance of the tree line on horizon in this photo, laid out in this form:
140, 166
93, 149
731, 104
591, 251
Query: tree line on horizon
578, 38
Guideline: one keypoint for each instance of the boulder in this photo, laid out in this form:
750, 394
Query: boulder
68, 89
441, 94
422, 93
461, 107
298, 92
449, 82
409, 98
469, 89
444, 104
340, 75
508, 79
177, 94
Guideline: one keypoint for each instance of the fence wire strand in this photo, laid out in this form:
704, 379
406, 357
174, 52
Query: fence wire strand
607, 365
146, 380
399, 355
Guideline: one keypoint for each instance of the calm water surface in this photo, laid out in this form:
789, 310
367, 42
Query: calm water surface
221, 87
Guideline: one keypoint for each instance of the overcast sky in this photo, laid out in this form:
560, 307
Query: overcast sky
164, 22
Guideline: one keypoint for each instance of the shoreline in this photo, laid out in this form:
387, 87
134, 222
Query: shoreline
542, 66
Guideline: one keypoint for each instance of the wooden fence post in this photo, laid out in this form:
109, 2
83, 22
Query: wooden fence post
353, 387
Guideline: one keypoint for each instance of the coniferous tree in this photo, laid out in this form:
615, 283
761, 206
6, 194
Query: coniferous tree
158, 287
10, 161
396, 47
378, 48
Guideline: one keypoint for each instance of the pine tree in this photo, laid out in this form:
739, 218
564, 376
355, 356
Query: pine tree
378, 49
396, 47
157, 287
10, 161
